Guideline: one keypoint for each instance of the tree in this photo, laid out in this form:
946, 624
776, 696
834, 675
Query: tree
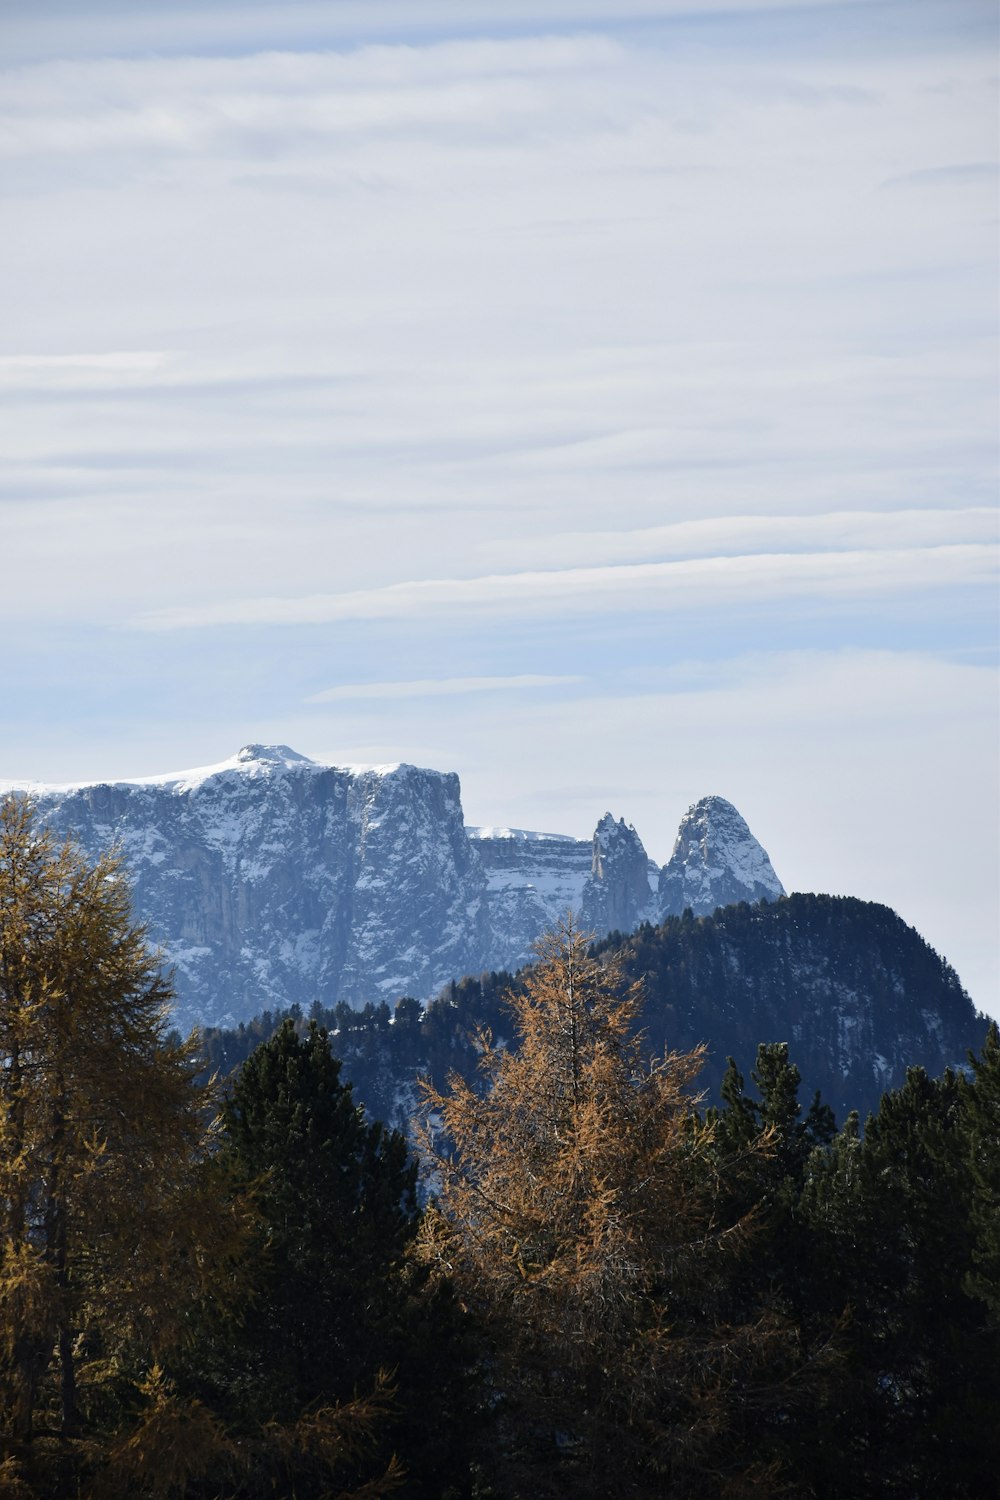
895, 1218
110, 1228
980, 1105
337, 1200
576, 1211
764, 1147
339, 1301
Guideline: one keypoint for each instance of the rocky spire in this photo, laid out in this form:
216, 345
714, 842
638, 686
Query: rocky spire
716, 862
617, 895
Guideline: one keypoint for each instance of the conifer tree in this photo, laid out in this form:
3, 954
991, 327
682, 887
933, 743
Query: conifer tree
576, 1210
340, 1307
894, 1220
337, 1199
980, 1105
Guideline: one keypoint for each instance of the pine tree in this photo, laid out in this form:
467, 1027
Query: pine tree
337, 1200
893, 1217
339, 1303
576, 1210
110, 1227
980, 1105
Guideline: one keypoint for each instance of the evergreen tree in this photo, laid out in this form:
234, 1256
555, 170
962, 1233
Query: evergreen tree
337, 1199
766, 1152
980, 1106
339, 1302
777, 1117
894, 1216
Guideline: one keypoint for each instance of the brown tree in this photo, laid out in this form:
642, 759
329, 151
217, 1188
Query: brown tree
111, 1225
576, 1211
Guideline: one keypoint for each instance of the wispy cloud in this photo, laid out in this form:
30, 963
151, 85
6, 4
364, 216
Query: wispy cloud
697, 582
437, 687
956, 174
248, 25
733, 535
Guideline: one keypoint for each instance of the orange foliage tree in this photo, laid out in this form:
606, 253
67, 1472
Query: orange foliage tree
576, 1209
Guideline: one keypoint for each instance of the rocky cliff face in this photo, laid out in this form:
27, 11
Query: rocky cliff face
532, 880
271, 880
620, 891
716, 861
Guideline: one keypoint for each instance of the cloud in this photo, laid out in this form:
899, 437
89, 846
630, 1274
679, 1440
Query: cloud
707, 582
958, 174
72, 29
262, 107
116, 362
732, 535
430, 687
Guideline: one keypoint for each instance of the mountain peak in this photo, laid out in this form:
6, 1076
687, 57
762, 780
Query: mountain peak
271, 754
716, 861
617, 895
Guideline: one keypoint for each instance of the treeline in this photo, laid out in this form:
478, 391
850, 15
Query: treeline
385, 1049
612, 1290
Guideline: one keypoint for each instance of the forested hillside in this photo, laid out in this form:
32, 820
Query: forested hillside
858, 995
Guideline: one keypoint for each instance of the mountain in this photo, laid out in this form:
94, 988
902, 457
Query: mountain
856, 993
533, 879
271, 880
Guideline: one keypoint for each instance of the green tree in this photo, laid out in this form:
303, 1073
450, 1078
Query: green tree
776, 1115
337, 1199
894, 1221
980, 1107
764, 1147
339, 1299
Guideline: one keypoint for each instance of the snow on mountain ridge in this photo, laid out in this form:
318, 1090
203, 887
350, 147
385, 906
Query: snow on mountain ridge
253, 759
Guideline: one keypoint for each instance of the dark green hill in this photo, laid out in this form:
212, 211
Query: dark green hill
857, 994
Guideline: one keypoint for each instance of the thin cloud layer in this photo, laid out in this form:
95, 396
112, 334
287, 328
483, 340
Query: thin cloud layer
703, 582
437, 687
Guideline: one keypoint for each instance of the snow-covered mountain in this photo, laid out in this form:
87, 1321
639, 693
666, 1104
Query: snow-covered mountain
271, 880
716, 862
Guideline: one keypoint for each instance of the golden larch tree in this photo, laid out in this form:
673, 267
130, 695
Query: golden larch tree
111, 1227
575, 1208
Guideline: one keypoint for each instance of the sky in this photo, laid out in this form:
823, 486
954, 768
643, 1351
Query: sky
597, 398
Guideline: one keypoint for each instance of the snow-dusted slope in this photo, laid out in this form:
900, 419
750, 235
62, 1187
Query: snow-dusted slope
270, 879
533, 879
